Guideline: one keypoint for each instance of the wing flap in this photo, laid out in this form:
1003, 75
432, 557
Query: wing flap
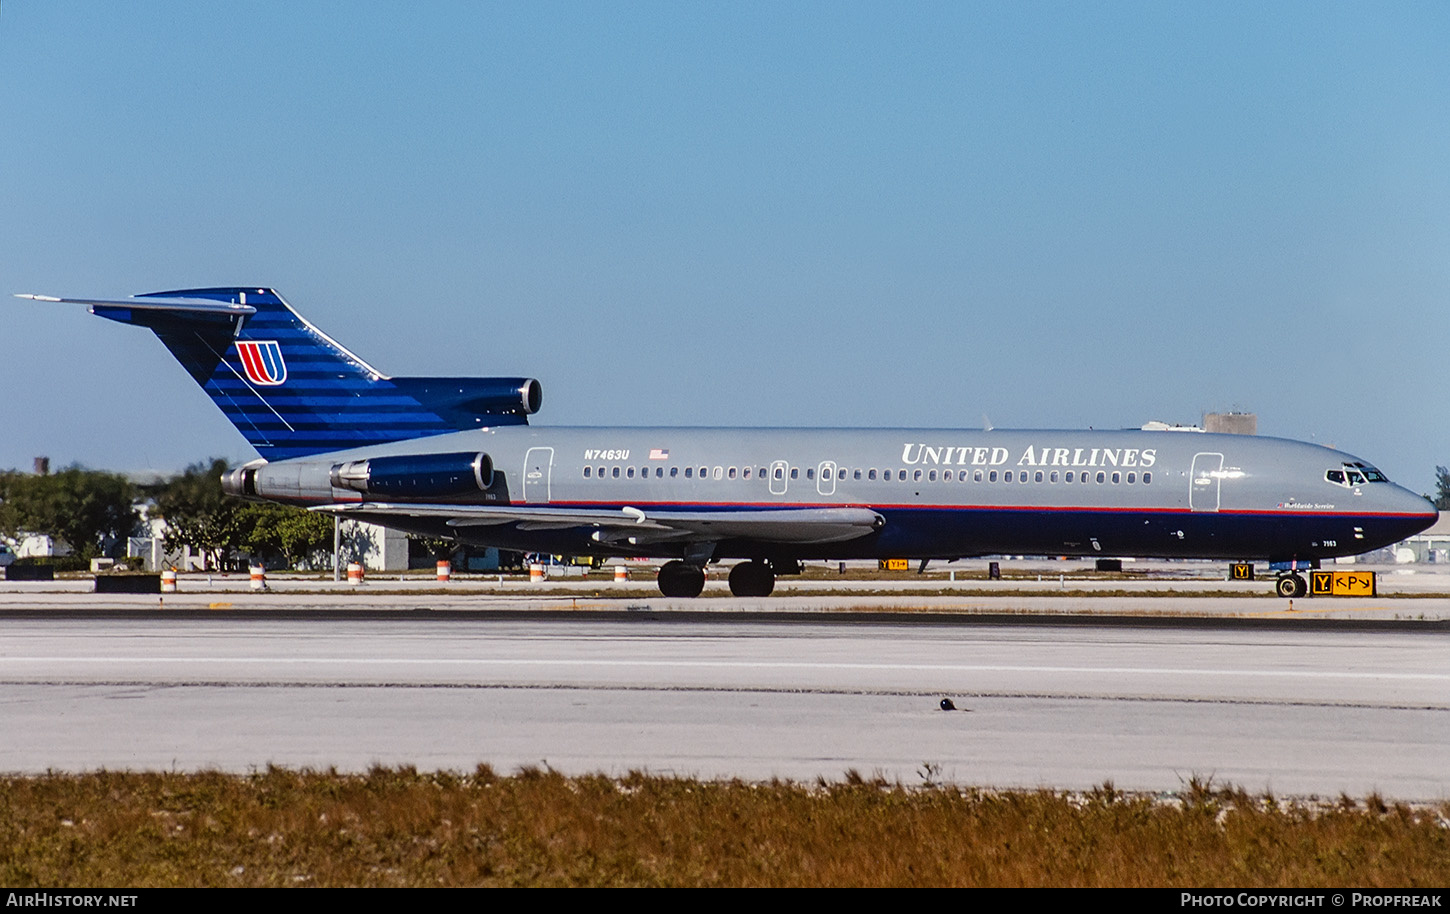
802, 526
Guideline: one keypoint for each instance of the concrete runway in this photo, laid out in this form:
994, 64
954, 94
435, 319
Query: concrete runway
1034, 586
1298, 706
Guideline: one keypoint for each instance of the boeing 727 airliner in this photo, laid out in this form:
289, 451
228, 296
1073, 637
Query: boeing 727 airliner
456, 458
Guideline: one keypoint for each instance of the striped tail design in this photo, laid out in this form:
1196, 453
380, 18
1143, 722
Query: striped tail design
291, 390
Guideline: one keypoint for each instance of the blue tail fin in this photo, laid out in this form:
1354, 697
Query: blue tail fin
291, 390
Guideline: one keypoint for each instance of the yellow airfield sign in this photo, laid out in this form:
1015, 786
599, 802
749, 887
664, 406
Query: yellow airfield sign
1341, 583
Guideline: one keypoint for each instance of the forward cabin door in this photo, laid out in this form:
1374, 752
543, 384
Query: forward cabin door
1204, 482
538, 470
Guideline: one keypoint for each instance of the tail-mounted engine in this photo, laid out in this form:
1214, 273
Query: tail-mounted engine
416, 475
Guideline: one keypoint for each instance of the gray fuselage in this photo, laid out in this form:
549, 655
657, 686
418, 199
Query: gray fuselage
941, 493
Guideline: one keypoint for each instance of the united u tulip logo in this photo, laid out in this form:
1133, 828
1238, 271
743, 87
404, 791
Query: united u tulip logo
262, 361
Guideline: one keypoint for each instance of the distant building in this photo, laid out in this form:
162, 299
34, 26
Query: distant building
1432, 545
376, 548
1231, 423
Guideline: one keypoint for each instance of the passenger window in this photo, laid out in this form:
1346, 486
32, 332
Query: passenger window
871, 474
858, 473
1132, 477
732, 472
629, 473
795, 473
901, 475
946, 475
1052, 477
1101, 476
992, 476
976, 476
1147, 478
674, 471
1037, 477
745, 473
780, 472
1117, 477
615, 473
689, 472
1067, 477
930, 477
719, 472
659, 472
704, 471
586, 472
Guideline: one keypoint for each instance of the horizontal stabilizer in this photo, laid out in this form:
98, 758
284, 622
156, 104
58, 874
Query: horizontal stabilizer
181, 305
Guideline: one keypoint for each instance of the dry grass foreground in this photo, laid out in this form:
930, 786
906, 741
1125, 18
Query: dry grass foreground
397, 827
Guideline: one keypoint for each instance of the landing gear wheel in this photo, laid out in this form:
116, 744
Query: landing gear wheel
752, 579
1291, 585
678, 579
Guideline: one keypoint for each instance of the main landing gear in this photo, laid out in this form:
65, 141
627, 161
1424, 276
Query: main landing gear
1291, 585
679, 579
752, 579
748, 579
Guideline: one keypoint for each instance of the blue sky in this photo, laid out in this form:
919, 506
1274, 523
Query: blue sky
834, 214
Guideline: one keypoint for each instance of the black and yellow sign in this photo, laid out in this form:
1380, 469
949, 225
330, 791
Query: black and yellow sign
1241, 571
1341, 583
895, 564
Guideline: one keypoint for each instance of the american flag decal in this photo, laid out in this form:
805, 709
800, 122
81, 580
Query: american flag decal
262, 361
659, 453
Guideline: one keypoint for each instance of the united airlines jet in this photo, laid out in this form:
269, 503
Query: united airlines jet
456, 458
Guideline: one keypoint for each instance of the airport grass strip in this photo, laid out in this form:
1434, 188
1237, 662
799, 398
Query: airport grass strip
398, 827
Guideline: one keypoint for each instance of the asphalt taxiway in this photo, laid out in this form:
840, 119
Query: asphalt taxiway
1301, 704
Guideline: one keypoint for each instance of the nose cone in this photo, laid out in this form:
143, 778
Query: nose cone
1411, 513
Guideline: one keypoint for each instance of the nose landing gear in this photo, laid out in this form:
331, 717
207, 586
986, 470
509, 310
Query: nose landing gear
1291, 585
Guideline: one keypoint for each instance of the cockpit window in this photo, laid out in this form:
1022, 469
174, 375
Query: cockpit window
1354, 474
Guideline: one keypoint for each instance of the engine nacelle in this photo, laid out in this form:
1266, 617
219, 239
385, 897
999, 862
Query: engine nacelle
242, 481
469, 402
416, 475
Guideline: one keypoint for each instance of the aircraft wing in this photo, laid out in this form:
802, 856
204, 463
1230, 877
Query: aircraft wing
802, 526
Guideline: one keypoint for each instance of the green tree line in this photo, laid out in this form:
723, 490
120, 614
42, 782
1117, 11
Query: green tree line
89, 509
